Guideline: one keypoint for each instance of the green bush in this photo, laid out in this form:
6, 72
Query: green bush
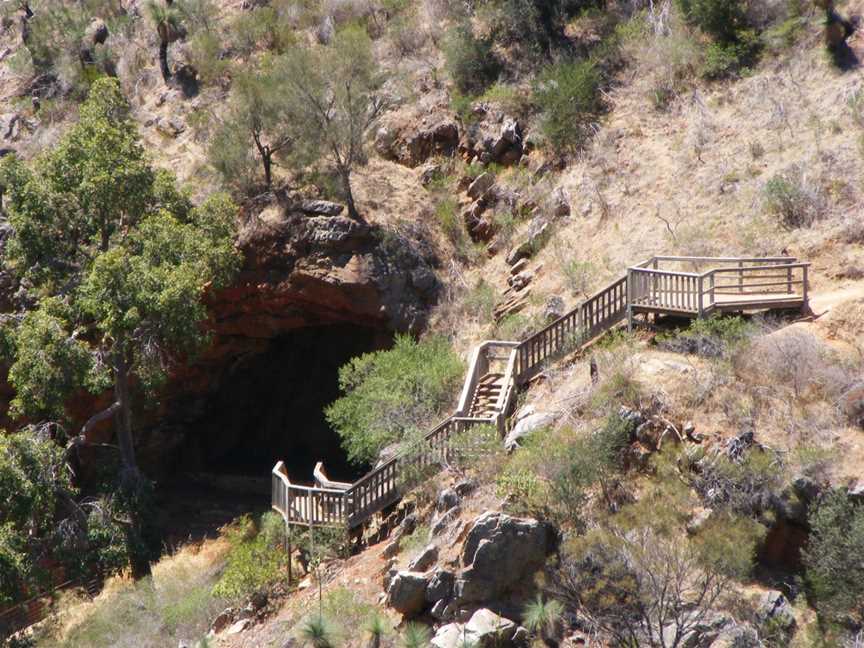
255, 560
793, 198
471, 62
392, 394
834, 573
735, 43
722, 19
568, 97
713, 337
533, 25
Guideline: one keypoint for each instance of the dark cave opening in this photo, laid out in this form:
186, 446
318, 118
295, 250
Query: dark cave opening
270, 406
264, 407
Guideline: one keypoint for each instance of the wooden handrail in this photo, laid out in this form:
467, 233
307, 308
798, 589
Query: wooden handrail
644, 287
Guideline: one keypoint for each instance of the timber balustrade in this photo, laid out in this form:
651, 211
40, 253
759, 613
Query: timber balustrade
705, 285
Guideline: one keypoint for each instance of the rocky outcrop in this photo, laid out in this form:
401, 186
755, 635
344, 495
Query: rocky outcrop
492, 136
526, 427
407, 592
499, 552
484, 629
413, 143
314, 266
307, 269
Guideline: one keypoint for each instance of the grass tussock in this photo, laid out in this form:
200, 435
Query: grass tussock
175, 603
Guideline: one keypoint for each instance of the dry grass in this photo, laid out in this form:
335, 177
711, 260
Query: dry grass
174, 604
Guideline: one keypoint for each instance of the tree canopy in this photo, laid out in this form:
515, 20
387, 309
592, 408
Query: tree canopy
112, 262
391, 394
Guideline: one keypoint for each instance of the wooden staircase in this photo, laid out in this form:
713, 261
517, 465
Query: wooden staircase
484, 402
499, 368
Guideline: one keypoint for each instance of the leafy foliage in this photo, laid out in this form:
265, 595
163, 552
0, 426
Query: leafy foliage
34, 482
713, 337
568, 96
391, 394
256, 558
117, 260
337, 92
471, 62
833, 570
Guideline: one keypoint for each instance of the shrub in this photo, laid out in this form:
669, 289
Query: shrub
471, 62
533, 25
390, 394
711, 338
256, 558
746, 486
722, 19
567, 94
832, 560
794, 198
723, 59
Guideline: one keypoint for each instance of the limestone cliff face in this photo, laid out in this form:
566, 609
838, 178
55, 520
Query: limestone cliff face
314, 290
305, 270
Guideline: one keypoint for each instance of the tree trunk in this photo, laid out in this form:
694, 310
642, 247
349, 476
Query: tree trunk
123, 416
349, 195
163, 60
267, 160
131, 480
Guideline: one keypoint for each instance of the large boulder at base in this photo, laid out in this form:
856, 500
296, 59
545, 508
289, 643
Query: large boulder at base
483, 630
524, 428
775, 608
499, 552
440, 586
425, 559
407, 593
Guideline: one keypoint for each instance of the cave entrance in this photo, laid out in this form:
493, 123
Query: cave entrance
270, 406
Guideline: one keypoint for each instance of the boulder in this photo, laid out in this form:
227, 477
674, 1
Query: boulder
424, 560
465, 486
448, 636
481, 185
412, 145
442, 610
96, 32
441, 523
407, 593
486, 629
390, 550
499, 552
170, 126
239, 627
440, 585
222, 621
559, 203
775, 608
429, 173
527, 426
320, 207
554, 308
447, 499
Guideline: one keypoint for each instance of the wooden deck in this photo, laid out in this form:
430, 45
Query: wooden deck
683, 286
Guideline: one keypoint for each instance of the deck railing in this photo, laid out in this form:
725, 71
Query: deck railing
729, 282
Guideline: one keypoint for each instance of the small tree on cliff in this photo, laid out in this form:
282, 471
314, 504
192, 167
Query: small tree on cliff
113, 262
337, 94
261, 111
166, 18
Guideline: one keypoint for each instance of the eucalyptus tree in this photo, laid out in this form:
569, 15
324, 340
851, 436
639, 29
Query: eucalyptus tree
337, 95
112, 263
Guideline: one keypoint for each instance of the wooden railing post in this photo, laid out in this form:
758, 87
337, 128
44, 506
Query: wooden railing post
700, 287
741, 277
804, 287
629, 300
788, 280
